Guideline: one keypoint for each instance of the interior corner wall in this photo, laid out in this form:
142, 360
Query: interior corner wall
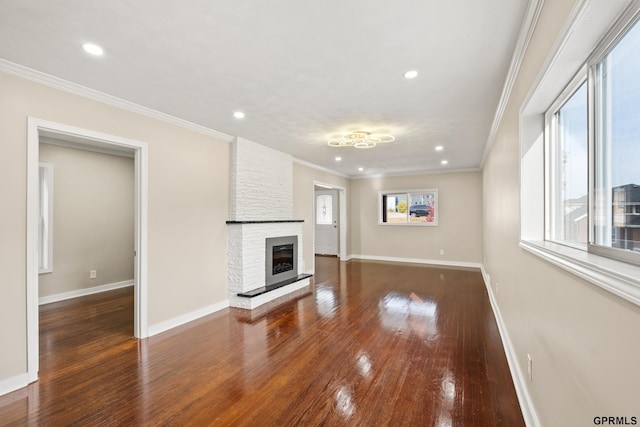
188, 204
583, 340
93, 219
304, 178
459, 230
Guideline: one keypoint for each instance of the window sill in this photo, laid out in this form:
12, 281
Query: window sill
617, 277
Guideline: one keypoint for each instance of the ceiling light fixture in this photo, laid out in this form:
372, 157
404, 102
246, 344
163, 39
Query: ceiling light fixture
238, 115
360, 169
93, 49
411, 74
338, 158
360, 139
444, 162
439, 148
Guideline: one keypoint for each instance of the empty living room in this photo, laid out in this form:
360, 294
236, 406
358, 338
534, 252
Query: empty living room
330, 213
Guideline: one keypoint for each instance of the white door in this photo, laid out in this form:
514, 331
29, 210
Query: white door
326, 222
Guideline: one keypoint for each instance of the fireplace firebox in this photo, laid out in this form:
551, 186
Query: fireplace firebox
281, 259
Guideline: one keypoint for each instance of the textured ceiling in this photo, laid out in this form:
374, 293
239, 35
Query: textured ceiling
301, 71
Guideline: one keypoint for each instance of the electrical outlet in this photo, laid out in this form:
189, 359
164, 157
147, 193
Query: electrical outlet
441, 251
93, 274
530, 367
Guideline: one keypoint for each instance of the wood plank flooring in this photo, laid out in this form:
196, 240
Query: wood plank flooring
373, 344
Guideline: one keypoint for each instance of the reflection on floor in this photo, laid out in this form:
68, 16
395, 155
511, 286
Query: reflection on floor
371, 344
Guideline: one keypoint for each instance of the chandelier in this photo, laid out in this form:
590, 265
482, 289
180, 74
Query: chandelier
360, 139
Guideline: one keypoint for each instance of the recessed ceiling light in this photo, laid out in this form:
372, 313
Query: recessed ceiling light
360, 169
444, 162
338, 158
411, 74
439, 148
93, 49
238, 115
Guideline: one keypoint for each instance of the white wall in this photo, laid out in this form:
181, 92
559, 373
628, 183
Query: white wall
261, 182
93, 219
583, 340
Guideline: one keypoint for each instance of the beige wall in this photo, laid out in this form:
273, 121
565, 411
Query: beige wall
303, 197
583, 340
93, 219
459, 230
188, 207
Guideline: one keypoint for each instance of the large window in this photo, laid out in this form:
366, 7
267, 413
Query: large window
412, 207
592, 153
617, 146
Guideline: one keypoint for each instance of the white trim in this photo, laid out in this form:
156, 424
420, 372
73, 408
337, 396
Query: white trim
83, 292
187, 317
36, 127
411, 173
527, 28
417, 261
617, 277
76, 89
320, 168
519, 380
10, 384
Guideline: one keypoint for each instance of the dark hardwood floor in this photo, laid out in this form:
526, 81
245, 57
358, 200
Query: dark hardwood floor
372, 344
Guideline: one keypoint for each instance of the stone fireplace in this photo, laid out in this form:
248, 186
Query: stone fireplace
264, 244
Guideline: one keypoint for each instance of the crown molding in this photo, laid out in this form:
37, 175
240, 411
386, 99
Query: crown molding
83, 91
524, 37
320, 168
410, 173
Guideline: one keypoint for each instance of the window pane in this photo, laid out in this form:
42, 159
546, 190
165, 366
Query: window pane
422, 207
617, 150
324, 214
571, 175
395, 208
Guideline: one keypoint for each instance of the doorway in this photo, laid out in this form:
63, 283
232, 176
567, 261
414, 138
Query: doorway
326, 222
339, 214
92, 141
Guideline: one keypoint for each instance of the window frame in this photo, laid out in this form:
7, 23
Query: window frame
587, 73
551, 134
607, 44
382, 216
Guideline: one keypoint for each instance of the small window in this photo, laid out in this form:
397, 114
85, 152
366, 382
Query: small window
413, 207
45, 231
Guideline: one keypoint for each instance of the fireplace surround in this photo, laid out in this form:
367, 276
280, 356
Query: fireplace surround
261, 185
249, 286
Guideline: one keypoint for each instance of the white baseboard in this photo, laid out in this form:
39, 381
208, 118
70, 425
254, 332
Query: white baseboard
186, 318
417, 261
8, 385
83, 292
519, 379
